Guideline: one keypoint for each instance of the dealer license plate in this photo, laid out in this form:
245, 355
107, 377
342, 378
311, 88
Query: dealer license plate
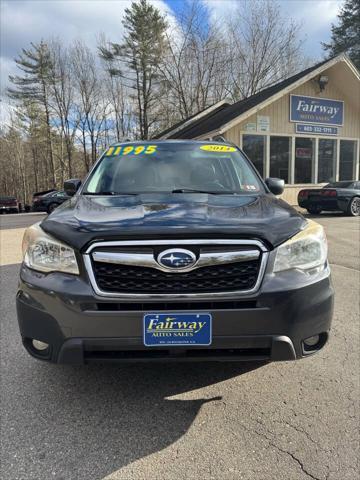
174, 329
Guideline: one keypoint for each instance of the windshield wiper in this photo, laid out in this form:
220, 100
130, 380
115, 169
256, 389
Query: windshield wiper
110, 193
193, 190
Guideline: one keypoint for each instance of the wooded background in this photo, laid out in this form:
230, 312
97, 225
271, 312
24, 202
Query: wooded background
69, 102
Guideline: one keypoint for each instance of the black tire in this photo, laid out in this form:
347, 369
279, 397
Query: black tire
354, 207
51, 207
314, 210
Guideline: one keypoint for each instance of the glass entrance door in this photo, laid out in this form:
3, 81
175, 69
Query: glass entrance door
326, 160
304, 156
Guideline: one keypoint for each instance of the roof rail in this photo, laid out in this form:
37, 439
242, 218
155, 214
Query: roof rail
220, 138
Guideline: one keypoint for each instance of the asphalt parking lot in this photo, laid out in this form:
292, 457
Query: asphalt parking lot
291, 420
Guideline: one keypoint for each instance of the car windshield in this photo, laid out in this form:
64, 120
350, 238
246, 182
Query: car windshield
172, 167
339, 185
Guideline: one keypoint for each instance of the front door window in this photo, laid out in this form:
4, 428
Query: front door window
347, 157
254, 148
304, 154
280, 157
326, 160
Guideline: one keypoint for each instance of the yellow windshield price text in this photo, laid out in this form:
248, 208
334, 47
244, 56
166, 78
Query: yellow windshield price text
218, 148
131, 150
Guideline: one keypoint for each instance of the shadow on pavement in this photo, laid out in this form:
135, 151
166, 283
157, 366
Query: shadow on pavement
86, 422
116, 415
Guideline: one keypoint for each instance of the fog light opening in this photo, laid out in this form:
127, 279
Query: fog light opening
39, 345
312, 341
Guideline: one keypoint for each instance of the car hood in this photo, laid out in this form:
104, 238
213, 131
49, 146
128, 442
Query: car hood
84, 218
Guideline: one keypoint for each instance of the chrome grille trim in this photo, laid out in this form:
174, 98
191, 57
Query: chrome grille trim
200, 296
148, 260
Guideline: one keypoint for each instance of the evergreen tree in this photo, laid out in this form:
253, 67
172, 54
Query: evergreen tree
139, 57
345, 37
33, 87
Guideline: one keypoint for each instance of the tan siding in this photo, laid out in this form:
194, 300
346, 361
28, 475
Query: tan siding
279, 110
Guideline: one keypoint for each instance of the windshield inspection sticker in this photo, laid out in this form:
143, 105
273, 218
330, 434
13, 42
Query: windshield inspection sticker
218, 148
131, 149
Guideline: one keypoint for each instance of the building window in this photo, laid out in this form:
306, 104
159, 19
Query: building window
280, 151
326, 160
304, 155
254, 148
347, 158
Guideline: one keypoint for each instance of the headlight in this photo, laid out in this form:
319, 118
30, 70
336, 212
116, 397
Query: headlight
304, 251
44, 253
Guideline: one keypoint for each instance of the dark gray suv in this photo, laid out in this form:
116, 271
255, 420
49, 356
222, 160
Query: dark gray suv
174, 250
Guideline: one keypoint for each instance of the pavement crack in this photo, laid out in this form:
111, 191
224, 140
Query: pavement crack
300, 463
294, 457
286, 452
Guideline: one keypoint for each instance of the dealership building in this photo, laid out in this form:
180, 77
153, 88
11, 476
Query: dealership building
305, 129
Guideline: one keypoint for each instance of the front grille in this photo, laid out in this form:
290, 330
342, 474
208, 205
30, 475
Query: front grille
169, 306
115, 278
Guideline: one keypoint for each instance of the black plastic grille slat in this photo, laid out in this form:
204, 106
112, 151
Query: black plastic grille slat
91, 354
169, 306
217, 278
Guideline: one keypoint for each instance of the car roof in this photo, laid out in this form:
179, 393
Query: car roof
341, 182
172, 142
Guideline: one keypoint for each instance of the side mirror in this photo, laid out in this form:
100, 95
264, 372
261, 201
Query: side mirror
72, 186
275, 185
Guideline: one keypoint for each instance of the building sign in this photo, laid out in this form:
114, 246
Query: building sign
316, 110
250, 127
303, 152
315, 129
263, 123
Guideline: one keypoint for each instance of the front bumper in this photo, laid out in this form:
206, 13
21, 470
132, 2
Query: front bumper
80, 327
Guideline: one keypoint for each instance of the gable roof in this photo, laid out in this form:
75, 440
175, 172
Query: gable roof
218, 119
214, 108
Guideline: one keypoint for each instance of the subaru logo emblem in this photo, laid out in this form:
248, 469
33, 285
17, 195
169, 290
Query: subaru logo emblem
176, 259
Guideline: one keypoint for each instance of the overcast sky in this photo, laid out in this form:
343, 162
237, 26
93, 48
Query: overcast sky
25, 21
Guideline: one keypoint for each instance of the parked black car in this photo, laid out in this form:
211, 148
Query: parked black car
174, 250
47, 201
9, 205
336, 196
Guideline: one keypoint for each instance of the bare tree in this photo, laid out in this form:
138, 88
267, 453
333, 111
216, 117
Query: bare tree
120, 117
194, 69
62, 90
264, 47
91, 103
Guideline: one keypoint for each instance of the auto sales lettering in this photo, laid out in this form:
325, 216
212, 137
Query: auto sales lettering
177, 329
316, 110
171, 325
